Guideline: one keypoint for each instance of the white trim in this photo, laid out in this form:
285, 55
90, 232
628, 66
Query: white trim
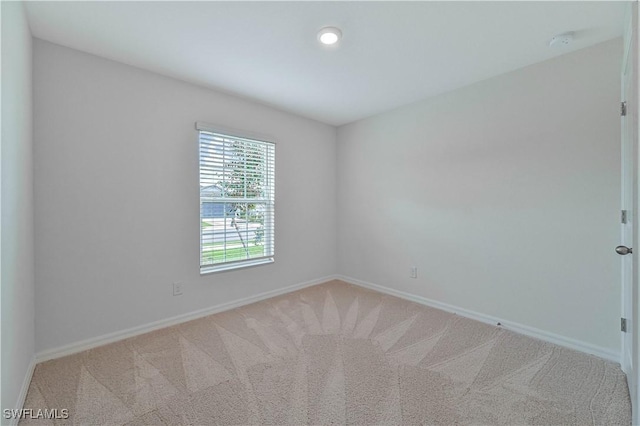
231, 266
567, 342
625, 364
229, 131
142, 329
635, 380
22, 396
627, 34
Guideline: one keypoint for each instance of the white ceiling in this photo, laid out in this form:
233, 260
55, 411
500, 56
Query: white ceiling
391, 54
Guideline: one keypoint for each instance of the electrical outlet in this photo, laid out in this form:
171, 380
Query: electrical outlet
177, 289
413, 272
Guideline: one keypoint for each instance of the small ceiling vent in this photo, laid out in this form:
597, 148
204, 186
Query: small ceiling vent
561, 40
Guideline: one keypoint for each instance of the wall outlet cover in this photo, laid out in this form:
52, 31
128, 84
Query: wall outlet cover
177, 289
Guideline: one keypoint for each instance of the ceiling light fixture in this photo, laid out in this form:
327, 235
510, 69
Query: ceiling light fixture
329, 35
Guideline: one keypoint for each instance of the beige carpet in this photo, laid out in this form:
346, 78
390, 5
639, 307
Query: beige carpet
332, 354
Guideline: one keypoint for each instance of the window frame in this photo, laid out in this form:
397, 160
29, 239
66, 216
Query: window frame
270, 200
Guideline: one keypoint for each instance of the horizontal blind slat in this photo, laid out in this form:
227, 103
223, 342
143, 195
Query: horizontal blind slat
236, 199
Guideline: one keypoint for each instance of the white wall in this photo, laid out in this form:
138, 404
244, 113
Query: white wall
17, 204
505, 194
116, 196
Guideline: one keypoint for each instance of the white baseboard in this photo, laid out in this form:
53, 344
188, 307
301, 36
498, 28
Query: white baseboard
142, 329
49, 354
22, 396
567, 342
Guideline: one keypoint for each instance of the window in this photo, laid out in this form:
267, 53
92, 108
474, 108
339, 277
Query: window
236, 200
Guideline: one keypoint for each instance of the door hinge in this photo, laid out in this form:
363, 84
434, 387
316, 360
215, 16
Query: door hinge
623, 108
623, 325
623, 216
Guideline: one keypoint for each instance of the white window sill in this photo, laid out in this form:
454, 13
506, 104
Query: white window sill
233, 266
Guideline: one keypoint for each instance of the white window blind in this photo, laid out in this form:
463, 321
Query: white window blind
236, 201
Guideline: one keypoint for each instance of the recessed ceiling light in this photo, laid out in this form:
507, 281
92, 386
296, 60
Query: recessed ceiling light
329, 35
